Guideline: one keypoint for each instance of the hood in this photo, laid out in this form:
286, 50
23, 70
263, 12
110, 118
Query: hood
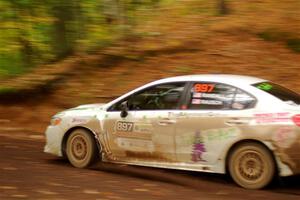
89, 106
82, 110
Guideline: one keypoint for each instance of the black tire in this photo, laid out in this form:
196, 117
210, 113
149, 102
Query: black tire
251, 165
81, 148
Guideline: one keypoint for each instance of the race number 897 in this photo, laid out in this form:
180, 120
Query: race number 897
124, 126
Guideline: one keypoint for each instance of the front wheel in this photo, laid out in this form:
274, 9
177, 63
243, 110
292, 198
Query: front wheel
251, 166
81, 148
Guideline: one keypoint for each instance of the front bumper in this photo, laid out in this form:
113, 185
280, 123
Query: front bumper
54, 136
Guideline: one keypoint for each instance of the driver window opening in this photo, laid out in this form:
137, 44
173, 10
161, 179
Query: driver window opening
160, 97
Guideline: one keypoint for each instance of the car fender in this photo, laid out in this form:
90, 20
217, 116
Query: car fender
90, 124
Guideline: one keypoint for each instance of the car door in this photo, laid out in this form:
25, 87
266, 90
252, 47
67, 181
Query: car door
213, 117
147, 133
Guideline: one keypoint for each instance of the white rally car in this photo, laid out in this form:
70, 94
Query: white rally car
245, 126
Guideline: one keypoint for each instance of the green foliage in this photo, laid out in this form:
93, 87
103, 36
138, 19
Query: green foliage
34, 32
7, 90
294, 44
274, 35
10, 65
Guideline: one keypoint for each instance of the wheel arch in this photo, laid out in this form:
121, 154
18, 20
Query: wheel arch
68, 133
240, 142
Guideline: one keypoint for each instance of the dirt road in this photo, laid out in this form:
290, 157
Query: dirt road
28, 173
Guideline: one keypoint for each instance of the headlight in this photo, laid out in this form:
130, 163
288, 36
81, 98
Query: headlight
55, 121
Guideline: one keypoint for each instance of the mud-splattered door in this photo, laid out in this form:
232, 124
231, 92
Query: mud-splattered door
143, 136
147, 133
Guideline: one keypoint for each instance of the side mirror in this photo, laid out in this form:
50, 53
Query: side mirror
124, 109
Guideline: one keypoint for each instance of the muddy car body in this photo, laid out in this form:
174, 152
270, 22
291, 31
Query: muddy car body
246, 126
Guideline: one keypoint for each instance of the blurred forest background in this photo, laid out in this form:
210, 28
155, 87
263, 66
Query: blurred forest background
35, 32
64, 53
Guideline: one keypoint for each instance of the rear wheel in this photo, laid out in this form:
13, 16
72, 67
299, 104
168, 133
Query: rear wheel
251, 165
81, 148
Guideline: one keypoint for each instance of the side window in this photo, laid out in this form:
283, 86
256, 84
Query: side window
159, 97
216, 96
280, 92
242, 100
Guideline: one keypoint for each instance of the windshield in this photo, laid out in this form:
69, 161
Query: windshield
280, 92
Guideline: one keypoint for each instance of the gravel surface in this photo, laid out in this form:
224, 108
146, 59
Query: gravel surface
28, 173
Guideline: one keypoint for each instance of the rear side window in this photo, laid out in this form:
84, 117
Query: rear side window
280, 92
216, 96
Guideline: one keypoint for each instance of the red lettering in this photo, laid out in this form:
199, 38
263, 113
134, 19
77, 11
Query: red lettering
203, 87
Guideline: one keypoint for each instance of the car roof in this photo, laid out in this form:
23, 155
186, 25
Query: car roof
234, 80
221, 78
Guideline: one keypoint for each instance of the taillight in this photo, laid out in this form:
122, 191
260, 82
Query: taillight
296, 119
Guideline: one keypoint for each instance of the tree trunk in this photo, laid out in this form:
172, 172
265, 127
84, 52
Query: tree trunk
64, 32
223, 7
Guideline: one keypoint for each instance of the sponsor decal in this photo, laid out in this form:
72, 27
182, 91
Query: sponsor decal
272, 117
208, 95
296, 119
284, 137
203, 144
135, 144
198, 148
211, 102
206, 102
192, 115
197, 95
265, 86
143, 128
196, 101
79, 121
213, 135
220, 134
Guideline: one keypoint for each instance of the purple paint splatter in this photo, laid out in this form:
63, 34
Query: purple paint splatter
198, 148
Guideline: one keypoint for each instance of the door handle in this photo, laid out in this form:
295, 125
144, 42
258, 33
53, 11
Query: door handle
233, 122
165, 122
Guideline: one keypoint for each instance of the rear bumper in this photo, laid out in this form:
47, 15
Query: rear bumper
54, 136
